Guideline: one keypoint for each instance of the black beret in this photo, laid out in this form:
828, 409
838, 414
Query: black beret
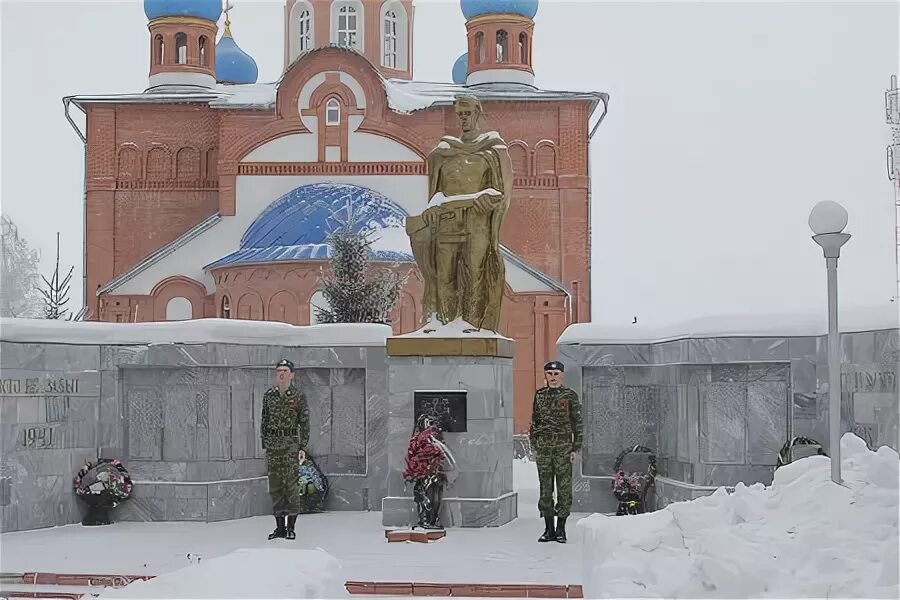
555, 365
285, 363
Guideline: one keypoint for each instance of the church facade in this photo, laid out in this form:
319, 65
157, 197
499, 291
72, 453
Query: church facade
210, 195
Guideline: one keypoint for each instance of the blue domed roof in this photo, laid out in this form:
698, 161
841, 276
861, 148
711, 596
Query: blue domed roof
476, 8
297, 225
461, 69
233, 65
210, 10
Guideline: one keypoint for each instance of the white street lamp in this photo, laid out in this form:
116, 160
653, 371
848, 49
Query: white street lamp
828, 220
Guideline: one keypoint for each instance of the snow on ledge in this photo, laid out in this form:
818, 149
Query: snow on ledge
854, 320
454, 329
197, 331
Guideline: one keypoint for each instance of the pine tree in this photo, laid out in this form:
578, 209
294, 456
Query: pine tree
56, 296
354, 290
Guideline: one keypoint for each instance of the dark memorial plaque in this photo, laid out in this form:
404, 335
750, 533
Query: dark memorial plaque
449, 407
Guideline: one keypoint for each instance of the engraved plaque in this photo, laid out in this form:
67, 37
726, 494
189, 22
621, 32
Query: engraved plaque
449, 407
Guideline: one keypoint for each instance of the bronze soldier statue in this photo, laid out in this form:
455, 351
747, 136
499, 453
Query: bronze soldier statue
285, 435
555, 435
456, 240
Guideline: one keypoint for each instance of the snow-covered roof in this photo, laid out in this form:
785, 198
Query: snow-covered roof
884, 317
198, 331
403, 96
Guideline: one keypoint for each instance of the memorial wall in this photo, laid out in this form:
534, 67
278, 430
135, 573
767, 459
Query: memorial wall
717, 410
183, 417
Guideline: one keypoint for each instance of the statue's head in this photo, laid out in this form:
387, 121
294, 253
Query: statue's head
468, 111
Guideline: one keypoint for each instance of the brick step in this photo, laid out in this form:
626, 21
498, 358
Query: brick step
74, 579
411, 535
463, 590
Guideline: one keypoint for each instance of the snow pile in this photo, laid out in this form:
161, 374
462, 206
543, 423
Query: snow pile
876, 318
803, 536
197, 331
246, 573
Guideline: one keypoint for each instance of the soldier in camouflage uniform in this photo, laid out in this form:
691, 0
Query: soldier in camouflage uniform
285, 434
555, 436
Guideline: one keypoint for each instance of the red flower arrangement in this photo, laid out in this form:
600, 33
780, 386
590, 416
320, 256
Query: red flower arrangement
423, 458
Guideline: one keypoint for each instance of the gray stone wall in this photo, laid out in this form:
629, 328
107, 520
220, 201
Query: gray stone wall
718, 410
185, 420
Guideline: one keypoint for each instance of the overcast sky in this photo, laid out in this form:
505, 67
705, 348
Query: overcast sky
727, 123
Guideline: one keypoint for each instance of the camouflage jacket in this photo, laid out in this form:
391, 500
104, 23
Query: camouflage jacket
556, 418
285, 419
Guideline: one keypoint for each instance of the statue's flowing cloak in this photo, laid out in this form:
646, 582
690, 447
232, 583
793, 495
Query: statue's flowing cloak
493, 149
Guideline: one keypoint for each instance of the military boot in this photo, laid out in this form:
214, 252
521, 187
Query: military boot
291, 521
280, 530
561, 530
549, 530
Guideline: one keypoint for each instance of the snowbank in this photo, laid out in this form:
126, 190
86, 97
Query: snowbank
198, 331
803, 536
871, 319
246, 573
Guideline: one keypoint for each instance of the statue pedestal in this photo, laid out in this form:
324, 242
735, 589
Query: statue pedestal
467, 379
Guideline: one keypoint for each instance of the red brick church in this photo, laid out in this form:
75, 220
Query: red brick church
211, 195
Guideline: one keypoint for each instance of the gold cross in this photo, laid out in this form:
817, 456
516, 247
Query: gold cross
228, 7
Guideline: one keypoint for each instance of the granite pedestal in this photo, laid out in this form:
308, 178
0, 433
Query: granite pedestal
481, 494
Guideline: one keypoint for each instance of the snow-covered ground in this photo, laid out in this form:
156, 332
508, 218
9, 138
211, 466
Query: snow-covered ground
802, 537
508, 554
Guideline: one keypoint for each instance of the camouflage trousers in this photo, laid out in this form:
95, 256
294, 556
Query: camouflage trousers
284, 481
554, 470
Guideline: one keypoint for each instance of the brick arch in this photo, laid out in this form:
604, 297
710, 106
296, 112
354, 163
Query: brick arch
187, 164
174, 287
545, 158
249, 306
159, 163
329, 90
129, 164
518, 154
284, 307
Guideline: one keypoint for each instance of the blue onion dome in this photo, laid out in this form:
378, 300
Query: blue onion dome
476, 8
461, 69
233, 65
210, 10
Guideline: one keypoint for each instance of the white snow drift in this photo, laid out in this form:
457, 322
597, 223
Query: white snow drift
803, 536
246, 573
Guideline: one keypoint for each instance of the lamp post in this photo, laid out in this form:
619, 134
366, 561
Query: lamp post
828, 220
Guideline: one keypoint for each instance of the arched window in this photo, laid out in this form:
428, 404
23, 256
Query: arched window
304, 31
502, 46
318, 300
179, 309
226, 307
348, 27
333, 112
159, 50
390, 40
201, 47
181, 49
523, 48
479, 47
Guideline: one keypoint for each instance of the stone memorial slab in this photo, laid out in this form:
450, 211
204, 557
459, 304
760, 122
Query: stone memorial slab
449, 407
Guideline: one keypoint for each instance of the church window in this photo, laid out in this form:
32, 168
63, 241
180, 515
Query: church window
226, 307
179, 309
347, 29
181, 49
502, 46
304, 30
479, 47
523, 48
159, 50
332, 112
201, 47
390, 40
